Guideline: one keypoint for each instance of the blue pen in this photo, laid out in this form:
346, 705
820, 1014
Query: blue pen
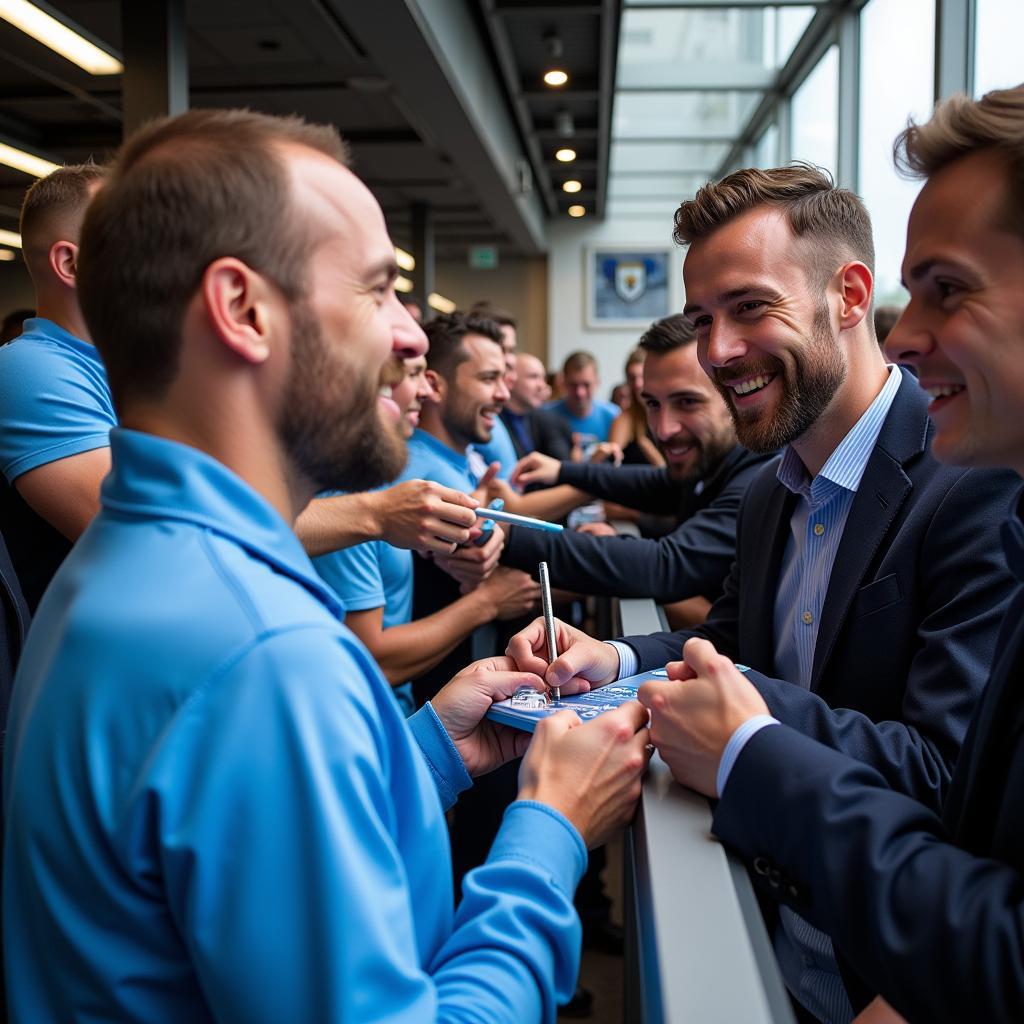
511, 517
488, 527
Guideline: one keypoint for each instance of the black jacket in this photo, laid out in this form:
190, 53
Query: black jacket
550, 433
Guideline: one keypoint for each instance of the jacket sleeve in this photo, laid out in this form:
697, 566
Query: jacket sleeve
647, 488
936, 931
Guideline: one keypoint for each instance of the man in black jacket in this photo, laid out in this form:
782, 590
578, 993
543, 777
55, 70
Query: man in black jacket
532, 427
703, 483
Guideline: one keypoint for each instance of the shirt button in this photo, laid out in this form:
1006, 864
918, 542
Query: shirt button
819, 529
808, 618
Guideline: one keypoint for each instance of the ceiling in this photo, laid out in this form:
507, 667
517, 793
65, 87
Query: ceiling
443, 103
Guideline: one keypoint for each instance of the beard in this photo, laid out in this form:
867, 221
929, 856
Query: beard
710, 453
330, 425
808, 386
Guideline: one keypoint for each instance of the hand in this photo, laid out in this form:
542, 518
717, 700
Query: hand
607, 451
471, 565
582, 664
513, 593
590, 772
597, 529
424, 515
462, 703
482, 490
695, 711
878, 1011
536, 468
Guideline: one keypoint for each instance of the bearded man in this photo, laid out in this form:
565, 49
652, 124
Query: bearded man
869, 581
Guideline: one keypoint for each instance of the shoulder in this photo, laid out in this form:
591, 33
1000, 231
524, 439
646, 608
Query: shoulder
354, 573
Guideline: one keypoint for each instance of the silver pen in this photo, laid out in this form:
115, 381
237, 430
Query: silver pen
549, 619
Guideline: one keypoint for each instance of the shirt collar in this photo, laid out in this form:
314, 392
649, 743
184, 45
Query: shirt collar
439, 448
48, 329
845, 466
153, 477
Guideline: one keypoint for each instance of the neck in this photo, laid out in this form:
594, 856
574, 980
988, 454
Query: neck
64, 313
866, 374
432, 422
519, 408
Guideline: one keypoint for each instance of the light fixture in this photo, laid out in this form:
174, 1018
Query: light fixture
440, 303
35, 20
577, 211
27, 162
566, 155
403, 284
7, 255
555, 75
404, 259
571, 186
10, 238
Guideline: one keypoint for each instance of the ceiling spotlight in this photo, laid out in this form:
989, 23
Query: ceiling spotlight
566, 156
577, 211
556, 77
553, 44
571, 186
6, 255
564, 124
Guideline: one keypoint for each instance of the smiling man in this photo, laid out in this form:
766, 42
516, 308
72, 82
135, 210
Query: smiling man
869, 583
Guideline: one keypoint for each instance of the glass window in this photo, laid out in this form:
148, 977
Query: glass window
998, 29
815, 106
654, 185
672, 115
896, 83
669, 156
766, 150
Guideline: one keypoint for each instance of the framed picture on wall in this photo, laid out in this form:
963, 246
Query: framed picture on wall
626, 286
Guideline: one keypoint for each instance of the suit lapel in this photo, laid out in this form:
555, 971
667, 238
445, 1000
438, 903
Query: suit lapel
883, 489
768, 533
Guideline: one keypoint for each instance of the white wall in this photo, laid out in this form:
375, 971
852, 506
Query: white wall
567, 327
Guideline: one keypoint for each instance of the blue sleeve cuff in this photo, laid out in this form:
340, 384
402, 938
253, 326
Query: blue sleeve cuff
540, 835
628, 661
443, 759
737, 741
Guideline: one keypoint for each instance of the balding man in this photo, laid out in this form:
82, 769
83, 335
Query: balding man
532, 428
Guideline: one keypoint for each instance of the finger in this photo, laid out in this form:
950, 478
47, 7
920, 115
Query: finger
459, 500
559, 723
575, 685
700, 655
502, 685
489, 474
634, 713
680, 670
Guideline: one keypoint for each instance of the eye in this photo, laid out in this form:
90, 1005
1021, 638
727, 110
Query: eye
701, 322
945, 288
751, 305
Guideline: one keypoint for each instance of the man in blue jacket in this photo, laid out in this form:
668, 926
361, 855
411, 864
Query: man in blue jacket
869, 583
927, 909
214, 808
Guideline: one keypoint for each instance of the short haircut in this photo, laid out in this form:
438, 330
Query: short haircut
184, 192
53, 208
446, 333
961, 126
502, 317
578, 361
832, 220
636, 355
668, 334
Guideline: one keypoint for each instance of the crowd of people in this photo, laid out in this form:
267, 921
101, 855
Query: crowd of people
254, 622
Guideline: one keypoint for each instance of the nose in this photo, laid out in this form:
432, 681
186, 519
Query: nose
722, 345
663, 424
407, 337
909, 338
502, 394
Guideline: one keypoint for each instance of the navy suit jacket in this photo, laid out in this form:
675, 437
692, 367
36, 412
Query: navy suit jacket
909, 624
928, 912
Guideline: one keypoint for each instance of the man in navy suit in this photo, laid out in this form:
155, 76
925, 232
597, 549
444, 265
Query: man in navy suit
928, 910
869, 581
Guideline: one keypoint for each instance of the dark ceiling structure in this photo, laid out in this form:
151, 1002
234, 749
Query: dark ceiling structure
444, 103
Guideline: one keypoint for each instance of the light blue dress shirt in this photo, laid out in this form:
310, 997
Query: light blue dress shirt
214, 808
592, 427
431, 459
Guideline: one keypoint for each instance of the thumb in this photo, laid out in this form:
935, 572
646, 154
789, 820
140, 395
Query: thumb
503, 685
698, 655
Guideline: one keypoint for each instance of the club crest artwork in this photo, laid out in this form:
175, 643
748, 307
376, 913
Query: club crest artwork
627, 287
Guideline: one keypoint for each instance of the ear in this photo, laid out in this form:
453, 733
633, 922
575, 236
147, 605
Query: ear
63, 261
438, 386
855, 288
238, 303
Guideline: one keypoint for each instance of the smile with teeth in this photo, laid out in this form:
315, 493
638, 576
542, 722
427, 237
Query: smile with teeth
944, 390
752, 384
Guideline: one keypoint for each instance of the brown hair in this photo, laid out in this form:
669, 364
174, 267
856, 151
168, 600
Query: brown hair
502, 317
186, 191
961, 126
668, 334
53, 209
446, 332
834, 220
578, 361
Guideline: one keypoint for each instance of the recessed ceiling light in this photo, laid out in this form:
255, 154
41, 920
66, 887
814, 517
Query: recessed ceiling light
571, 186
10, 238
403, 284
59, 37
577, 211
566, 155
404, 259
27, 162
440, 303
555, 77
6, 255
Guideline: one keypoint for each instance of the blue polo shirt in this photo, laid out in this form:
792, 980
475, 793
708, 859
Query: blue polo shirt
214, 808
431, 459
54, 398
374, 575
592, 427
499, 449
